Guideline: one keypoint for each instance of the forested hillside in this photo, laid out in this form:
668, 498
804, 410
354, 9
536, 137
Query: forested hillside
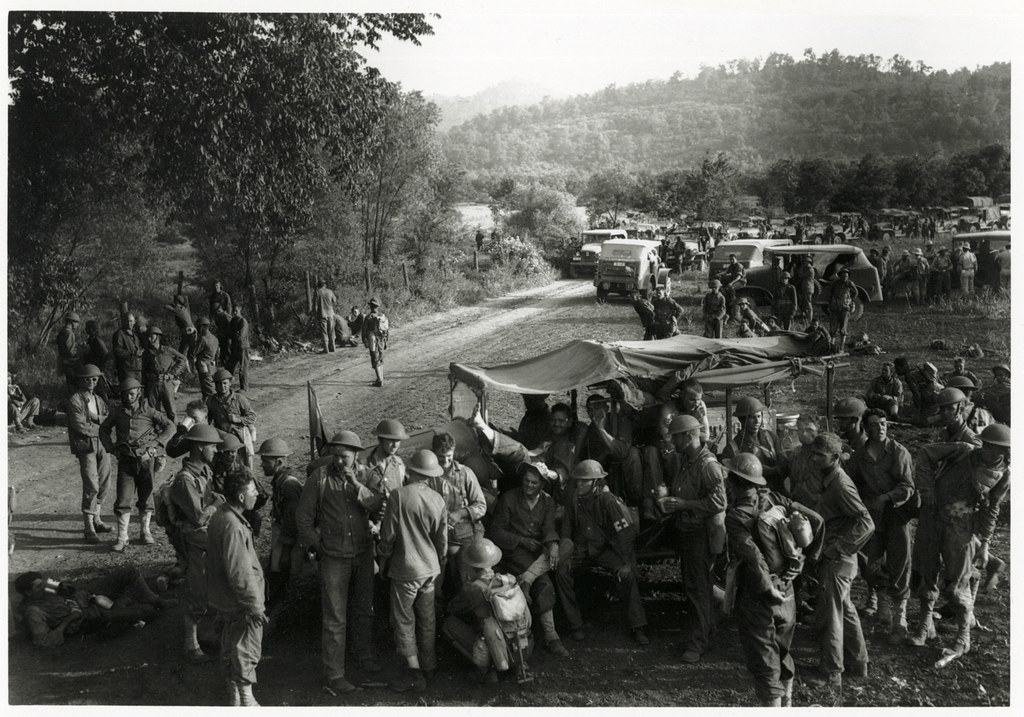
832, 106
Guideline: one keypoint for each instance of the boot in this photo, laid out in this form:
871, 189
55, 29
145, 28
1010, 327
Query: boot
899, 623
90, 529
102, 527
234, 696
379, 383
246, 697
771, 702
962, 644
146, 537
884, 614
787, 694
871, 606
992, 571
926, 628
122, 532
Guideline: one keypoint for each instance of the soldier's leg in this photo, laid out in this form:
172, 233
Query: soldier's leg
90, 491
958, 548
426, 626
855, 649
695, 562
836, 576
243, 370
241, 648
756, 627
566, 589
361, 606
627, 588
335, 574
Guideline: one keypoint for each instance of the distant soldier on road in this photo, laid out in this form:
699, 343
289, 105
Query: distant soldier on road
238, 358
127, 353
219, 297
207, 352
713, 310
375, 338
161, 366
666, 314
805, 277
68, 352
323, 307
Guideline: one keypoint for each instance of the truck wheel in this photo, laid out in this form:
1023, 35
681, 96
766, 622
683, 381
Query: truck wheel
573, 274
886, 236
858, 309
646, 293
668, 285
602, 295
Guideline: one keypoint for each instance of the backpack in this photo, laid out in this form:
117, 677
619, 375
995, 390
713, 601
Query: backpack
776, 540
508, 603
164, 513
383, 330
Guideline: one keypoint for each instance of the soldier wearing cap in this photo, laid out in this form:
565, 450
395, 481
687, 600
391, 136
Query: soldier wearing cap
753, 437
848, 413
765, 607
523, 526
886, 391
207, 352
192, 504
975, 416
996, 398
713, 310
962, 487
136, 433
841, 305
69, 359
125, 346
161, 366
375, 331
597, 529
232, 412
848, 526
219, 298
285, 490
413, 543
333, 524
805, 277
697, 498
785, 301
386, 471
951, 402
923, 272
86, 413
883, 473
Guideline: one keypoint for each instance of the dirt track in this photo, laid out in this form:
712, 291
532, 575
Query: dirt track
145, 666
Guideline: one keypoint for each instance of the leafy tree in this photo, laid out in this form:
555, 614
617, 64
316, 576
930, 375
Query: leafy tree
609, 193
712, 187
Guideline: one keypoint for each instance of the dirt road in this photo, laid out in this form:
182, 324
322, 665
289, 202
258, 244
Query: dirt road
145, 666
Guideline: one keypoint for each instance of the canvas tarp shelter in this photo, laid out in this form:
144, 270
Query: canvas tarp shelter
717, 363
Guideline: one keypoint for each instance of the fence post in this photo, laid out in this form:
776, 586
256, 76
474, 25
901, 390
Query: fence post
309, 295
476, 261
405, 274
181, 279
366, 277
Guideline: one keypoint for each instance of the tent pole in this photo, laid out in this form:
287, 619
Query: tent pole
830, 372
728, 414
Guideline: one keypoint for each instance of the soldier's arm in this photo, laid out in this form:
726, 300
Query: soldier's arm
861, 527
246, 411
986, 524
187, 501
476, 504
79, 418
106, 428
238, 568
305, 512
714, 501
500, 529
163, 426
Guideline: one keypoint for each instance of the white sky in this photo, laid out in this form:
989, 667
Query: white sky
575, 47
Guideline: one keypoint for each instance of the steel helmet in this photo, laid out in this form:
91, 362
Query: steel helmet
929, 366
155, 331
997, 434
274, 448
746, 466
537, 467
786, 275
682, 423
961, 382
347, 439
89, 371
229, 442
222, 374
390, 428
844, 270
72, 316
1001, 367
203, 433
482, 553
424, 463
588, 470
850, 408
949, 396
202, 321
747, 406
715, 284
128, 384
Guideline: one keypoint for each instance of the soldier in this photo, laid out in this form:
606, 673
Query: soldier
713, 310
848, 413
598, 530
645, 310
941, 267
904, 276
413, 542
354, 321
386, 469
975, 416
842, 304
523, 526
732, 278
206, 355
375, 338
697, 497
848, 526
286, 489
135, 432
805, 277
996, 398
323, 307
236, 588
231, 412
95, 352
333, 525
886, 391
161, 366
666, 314
922, 274
960, 369
968, 265
68, 352
127, 354
747, 313
765, 605
962, 487
785, 301
238, 358
86, 413
951, 416
21, 410
883, 473
608, 440
192, 504
753, 438
219, 297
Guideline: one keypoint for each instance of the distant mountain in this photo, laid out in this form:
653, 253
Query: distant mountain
833, 107
510, 93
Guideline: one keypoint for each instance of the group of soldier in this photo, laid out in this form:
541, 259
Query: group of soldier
372, 328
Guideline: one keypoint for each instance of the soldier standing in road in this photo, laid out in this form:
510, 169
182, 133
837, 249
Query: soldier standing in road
841, 306
785, 301
805, 277
86, 413
69, 359
323, 307
375, 337
236, 588
666, 314
923, 268
192, 504
207, 352
219, 297
231, 412
161, 366
238, 357
139, 434
127, 355
713, 310
645, 310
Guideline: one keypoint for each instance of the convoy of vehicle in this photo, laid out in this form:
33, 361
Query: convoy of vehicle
749, 253
584, 261
628, 264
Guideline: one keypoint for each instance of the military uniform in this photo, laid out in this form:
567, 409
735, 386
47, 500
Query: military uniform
886, 394
86, 413
233, 413
207, 351
127, 360
160, 369
841, 306
785, 305
68, 359
666, 314
766, 446
238, 358
193, 504
805, 278
713, 309
285, 552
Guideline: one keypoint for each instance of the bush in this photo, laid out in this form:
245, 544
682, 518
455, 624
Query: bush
519, 256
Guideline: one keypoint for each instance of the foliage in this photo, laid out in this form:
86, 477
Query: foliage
546, 215
608, 193
519, 256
